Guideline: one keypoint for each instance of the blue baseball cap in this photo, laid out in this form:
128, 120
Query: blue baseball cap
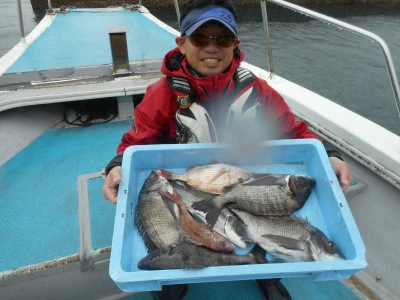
201, 15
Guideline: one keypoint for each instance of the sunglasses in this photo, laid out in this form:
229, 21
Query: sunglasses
202, 40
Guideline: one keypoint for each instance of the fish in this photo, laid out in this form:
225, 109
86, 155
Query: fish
228, 224
196, 232
267, 195
153, 218
209, 178
290, 238
185, 255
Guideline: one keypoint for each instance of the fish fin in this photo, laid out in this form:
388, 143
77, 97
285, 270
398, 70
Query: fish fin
146, 239
173, 195
240, 229
194, 267
215, 161
172, 207
186, 237
229, 187
283, 241
271, 179
259, 254
259, 175
166, 174
195, 216
246, 239
277, 260
210, 209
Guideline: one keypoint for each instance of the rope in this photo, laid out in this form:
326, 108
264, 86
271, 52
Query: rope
89, 112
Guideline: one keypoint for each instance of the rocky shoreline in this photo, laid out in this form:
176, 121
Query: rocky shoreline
43, 4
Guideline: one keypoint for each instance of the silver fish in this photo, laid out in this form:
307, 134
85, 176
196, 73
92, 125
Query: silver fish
289, 238
228, 224
185, 255
269, 195
209, 178
153, 219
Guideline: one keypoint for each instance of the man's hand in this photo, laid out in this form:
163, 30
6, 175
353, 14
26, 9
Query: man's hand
111, 184
342, 171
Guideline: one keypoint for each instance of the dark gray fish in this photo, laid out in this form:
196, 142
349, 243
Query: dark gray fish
269, 195
209, 178
185, 255
228, 224
290, 238
153, 219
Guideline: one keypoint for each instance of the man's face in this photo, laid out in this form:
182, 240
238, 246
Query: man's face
210, 59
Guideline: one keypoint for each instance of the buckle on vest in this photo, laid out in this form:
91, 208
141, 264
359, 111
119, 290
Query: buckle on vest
183, 101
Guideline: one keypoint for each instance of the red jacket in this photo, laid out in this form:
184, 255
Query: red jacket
154, 117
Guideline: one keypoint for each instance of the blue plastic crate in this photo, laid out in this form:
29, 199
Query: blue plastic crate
326, 209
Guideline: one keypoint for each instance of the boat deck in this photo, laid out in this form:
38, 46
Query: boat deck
73, 49
41, 186
40, 196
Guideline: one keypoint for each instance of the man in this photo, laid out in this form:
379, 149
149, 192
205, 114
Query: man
206, 97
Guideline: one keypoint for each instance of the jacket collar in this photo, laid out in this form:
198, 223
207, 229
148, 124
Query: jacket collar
175, 64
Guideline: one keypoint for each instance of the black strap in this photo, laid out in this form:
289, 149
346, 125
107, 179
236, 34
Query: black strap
115, 162
185, 92
242, 78
331, 151
334, 153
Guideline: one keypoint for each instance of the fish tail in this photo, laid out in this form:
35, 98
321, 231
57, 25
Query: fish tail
174, 197
211, 210
166, 174
166, 194
259, 254
169, 203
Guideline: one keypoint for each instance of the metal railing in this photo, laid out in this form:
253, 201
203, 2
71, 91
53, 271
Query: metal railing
307, 12
21, 22
340, 25
178, 14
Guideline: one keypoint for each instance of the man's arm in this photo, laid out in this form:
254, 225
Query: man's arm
342, 169
111, 184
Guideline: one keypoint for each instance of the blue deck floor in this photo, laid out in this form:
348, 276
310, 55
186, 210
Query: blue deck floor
39, 194
80, 38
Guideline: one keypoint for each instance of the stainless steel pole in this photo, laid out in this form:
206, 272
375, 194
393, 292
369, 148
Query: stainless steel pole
267, 39
178, 14
49, 4
21, 23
